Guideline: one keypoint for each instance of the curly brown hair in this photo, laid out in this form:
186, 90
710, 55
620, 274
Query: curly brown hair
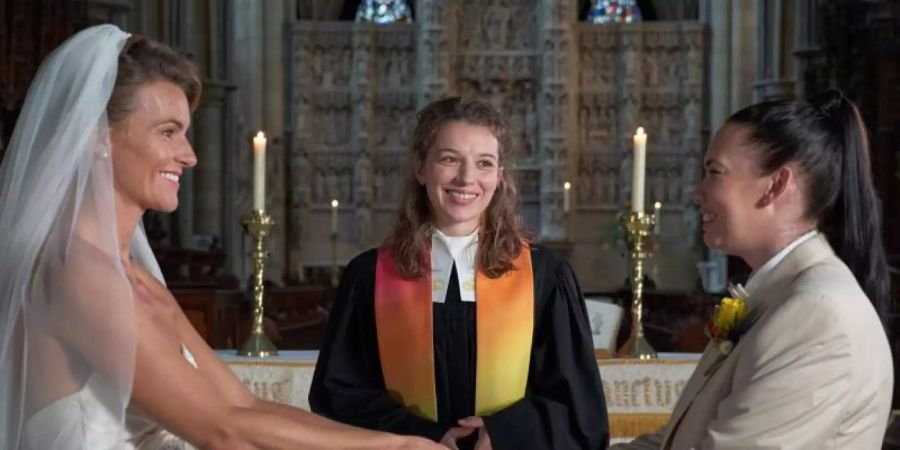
500, 235
144, 61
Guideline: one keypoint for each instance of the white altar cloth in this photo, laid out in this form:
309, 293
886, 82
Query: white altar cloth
640, 394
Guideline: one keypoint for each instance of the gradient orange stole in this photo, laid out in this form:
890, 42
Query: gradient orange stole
505, 325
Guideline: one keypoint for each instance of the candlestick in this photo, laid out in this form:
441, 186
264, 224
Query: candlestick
259, 172
657, 207
566, 187
334, 228
639, 162
637, 232
257, 225
334, 215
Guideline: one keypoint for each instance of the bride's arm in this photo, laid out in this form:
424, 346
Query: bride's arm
211, 408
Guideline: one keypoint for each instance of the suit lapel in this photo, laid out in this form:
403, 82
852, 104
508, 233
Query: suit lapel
796, 262
711, 361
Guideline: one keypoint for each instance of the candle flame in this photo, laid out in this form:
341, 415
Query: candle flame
260, 135
567, 185
640, 131
335, 203
657, 205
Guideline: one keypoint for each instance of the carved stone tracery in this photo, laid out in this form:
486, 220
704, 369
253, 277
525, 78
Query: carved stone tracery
573, 92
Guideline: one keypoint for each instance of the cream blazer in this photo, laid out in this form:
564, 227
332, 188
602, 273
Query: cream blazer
814, 371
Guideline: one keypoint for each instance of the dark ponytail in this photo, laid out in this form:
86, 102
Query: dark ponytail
828, 140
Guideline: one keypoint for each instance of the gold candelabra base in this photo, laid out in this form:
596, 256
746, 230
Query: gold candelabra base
257, 225
638, 226
258, 346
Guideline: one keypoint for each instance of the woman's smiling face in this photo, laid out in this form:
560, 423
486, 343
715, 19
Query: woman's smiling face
460, 174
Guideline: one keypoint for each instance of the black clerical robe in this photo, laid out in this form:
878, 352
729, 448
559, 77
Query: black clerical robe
563, 408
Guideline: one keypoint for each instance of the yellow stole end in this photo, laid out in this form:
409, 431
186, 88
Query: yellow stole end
505, 324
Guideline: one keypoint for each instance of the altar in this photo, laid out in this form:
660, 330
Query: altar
640, 394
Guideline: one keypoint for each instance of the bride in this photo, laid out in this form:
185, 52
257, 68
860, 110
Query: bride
94, 351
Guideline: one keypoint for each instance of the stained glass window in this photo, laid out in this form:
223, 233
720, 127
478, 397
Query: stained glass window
384, 11
614, 11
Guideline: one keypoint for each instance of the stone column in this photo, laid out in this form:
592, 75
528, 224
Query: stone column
732, 57
556, 100
775, 73
208, 175
176, 32
809, 59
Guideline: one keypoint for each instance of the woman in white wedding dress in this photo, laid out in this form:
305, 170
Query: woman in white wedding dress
94, 351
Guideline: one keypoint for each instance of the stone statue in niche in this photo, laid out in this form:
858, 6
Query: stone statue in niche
666, 128
346, 177
629, 112
625, 179
689, 179
694, 64
691, 116
320, 193
302, 198
378, 194
362, 179
651, 70
584, 186
597, 183
332, 181
610, 179
364, 199
364, 228
658, 178
494, 26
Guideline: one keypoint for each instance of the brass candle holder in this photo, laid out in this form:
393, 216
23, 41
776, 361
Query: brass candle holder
257, 225
638, 226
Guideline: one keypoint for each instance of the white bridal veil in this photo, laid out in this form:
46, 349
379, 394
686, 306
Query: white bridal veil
67, 331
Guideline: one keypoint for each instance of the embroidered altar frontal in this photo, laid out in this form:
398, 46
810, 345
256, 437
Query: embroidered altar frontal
640, 395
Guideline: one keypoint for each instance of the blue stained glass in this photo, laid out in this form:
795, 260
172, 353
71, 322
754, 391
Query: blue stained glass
384, 11
614, 11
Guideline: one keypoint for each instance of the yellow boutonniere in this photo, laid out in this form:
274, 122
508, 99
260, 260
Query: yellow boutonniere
729, 313
730, 321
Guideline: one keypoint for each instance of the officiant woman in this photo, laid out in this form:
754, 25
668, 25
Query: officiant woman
457, 328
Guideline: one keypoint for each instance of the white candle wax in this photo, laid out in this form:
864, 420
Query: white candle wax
259, 171
334, 215
639, 162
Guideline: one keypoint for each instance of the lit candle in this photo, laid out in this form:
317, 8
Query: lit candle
566, 187
639, 162
334, 215
656, 208
259, 172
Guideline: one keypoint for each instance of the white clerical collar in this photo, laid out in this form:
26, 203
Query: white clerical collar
445, 251
758, 277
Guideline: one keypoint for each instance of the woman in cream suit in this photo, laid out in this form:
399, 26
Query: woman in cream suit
788, 188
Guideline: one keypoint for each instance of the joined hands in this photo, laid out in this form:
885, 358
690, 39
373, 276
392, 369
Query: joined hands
468, 426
